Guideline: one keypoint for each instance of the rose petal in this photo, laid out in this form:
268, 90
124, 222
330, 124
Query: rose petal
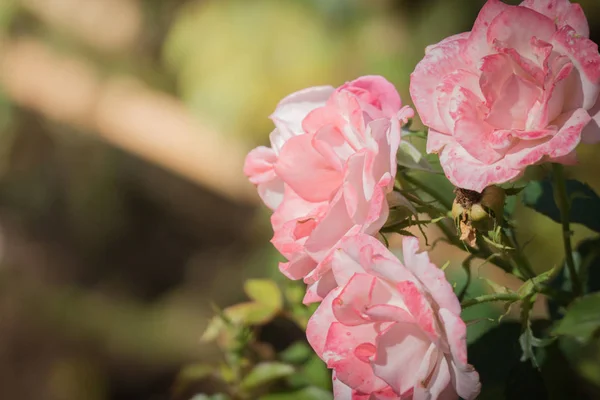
514, 27
467, 379
584, 56
591, 133
293, 109
429, 274
529, 152
515, 100
376, 92
347, 350
465, 171
562, 12
439, 61
401, 347
297, 151
476, 46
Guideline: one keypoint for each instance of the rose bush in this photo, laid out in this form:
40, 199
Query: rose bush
328, 170
391, 329
518, 89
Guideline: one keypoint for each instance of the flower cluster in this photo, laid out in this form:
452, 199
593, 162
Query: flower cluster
520, 88
388, 329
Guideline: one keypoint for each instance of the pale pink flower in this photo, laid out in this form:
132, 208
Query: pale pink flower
288, 117
331, 174
520, 88
391, 327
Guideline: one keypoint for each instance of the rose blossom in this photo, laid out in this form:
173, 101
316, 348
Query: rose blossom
391, 329
332, 172
288, 116
520, 88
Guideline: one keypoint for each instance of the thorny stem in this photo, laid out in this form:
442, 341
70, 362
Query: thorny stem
522, 263
562, 200
512, 297
483, 251
431, 192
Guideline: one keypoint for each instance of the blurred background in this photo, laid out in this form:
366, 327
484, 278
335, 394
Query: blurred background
124, 212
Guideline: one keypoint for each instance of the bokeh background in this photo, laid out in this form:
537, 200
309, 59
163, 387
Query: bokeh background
124, 212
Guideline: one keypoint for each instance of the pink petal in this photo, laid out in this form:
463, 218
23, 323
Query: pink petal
470, 129
294, 207
319, 323
562, 12
466, 378
429, 274
516, 98
465, 171
341, 391
378, 93
419, 307
552, 101
400, 351
335, 224
591, 133
495, 70
343, 111
388, 313
568, 137
514, 28
476, 46
345, 259
584, 56
437, 140
259, 168
316, 291
354, 299
293, 109
434, 381
445, 90
299, 151
347, 351
298, 267
439, 61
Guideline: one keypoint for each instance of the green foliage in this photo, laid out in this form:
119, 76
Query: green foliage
308, 393
264, 373
265, 292
297, 353
225, 56
267, 303
582, 319
409, 157
585, 203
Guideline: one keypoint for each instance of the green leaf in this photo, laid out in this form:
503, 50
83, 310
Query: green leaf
582, 319
496, 356
308, 393
196, 371
408, 156
296, 353
264, 291
218, 396
264, 373
316, 373
514, 190
585, 203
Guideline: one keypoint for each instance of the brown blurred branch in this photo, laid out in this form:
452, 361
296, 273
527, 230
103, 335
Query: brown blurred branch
124, 112
120, 21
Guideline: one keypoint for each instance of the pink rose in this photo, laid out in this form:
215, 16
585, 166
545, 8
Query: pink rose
332, 174
391, 326
519, 89
288, 117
